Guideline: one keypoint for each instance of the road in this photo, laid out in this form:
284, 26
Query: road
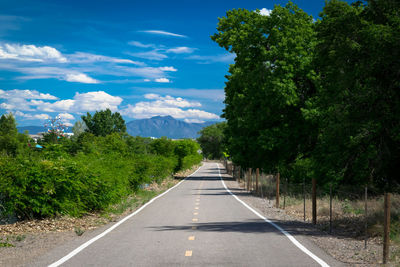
197, 223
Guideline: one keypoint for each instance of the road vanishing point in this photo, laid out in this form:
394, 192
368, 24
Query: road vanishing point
199, 222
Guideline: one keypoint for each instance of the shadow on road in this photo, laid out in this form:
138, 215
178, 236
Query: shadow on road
249, 226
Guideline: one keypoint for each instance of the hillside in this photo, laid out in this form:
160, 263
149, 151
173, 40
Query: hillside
165, 126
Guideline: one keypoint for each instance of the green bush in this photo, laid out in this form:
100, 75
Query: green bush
86, 173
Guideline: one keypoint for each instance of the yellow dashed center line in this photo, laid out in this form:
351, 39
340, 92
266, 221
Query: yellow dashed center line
195, 213
195, 219
188, 253
196, 208
191, 237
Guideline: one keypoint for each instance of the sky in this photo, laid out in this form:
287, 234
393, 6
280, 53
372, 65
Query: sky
138, 58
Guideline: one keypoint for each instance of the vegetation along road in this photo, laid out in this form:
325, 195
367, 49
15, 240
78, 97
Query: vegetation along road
197, 223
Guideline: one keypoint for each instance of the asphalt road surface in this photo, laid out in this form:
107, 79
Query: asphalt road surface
197, 223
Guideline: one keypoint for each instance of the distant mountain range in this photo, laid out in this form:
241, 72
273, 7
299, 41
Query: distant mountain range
154, 127
164, 126
37, 129
32, 129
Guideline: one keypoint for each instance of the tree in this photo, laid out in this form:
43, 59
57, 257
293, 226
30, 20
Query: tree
104, 122
78, 128
162, 146
357, 104
268, 86
212, 140
8, 134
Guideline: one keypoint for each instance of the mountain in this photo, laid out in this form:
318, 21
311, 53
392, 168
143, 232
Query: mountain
164, 126
36, 129
32, 129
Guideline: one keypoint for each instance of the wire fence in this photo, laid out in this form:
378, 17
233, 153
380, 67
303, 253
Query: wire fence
360, 212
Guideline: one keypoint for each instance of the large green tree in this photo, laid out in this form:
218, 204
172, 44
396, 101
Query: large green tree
104, 122
269, 85
358, 103
212, 140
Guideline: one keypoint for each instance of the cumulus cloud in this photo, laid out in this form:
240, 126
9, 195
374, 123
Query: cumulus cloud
265, 12
162, 80
32, 116
25, 94
80, 78
31, 53
167, 105
193, 121
181, 50
171, 101
165, 33
66, 116
81, 102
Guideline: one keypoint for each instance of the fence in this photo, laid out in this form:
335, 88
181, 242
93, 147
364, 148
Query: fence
359, 212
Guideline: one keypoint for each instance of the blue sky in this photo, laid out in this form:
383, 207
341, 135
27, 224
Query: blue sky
140, 58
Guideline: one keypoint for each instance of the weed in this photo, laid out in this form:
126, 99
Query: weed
5, 243
79, 231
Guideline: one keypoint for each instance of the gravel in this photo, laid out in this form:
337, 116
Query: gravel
348, 250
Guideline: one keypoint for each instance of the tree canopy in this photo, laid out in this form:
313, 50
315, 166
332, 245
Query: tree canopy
212, 140
317, 97
104, 122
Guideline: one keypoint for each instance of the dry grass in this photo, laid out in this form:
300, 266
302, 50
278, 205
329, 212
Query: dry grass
348, 212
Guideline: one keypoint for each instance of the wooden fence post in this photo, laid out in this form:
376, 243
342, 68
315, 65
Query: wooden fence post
366, 217
304, 198
250, 179
277, 190
330, 208
257, 178
314, 201
386, 228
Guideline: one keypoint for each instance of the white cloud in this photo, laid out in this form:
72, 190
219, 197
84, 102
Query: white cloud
158, 32
151, 55
265, 12
66, 116
31, 53
80, 78
25, 94
56, 73
146, 80
145, 72
181, 50
162, 101
141, 45
80, 57
224, 58
32, 116
193, 121
209, 94
167, 105
162, 80
167, 69
93, 101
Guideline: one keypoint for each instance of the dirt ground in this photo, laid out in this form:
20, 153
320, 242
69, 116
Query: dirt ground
343, 247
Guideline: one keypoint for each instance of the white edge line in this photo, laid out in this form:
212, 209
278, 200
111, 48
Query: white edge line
94, 239
291, 238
